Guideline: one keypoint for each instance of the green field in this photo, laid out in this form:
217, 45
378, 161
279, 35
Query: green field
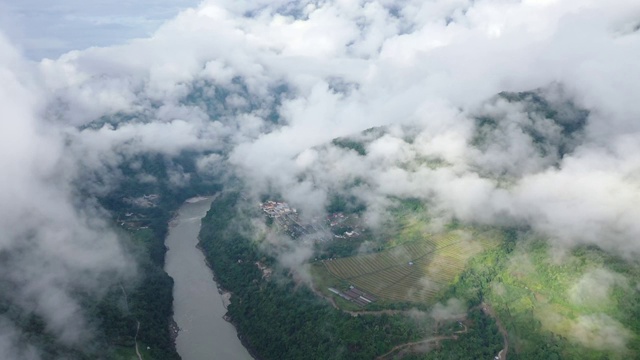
414, 271
582, 303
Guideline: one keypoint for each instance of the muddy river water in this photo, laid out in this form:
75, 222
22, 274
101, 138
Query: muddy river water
197, 305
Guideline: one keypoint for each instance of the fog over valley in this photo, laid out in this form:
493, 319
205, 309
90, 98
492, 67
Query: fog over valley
491, 114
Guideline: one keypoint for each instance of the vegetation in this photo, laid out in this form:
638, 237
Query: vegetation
410, 264
345, 204
280, 319
482, 341
414, 271
580, 305
147, 300
583, 304
350, 144
150, 300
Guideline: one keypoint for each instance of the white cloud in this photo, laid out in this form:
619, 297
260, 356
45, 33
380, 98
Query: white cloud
422, 69
50, 245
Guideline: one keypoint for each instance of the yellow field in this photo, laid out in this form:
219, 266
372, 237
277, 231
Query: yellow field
413, 271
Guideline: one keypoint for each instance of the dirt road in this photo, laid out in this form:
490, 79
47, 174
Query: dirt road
423, 342
488, 310
136, 340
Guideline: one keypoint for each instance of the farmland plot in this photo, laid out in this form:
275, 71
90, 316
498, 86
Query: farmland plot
413, 271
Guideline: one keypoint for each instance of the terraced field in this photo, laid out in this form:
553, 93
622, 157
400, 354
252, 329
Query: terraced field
413, 271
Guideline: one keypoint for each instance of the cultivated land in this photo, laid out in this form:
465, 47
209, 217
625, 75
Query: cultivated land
414, 271
578, 304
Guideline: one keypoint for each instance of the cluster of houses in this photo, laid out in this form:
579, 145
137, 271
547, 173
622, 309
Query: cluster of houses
347, 234
276, 209
137, 221
287, 218
266, 271
355, 295
338, 219
133, 221
144, 201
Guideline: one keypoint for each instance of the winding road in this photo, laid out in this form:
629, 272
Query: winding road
136, 340
423, 342
126, 302
486, 309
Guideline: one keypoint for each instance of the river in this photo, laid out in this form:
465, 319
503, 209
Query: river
198, 307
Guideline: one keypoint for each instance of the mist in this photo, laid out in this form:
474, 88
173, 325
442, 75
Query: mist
260, 89
53, 243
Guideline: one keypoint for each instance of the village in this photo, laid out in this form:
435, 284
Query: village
144, 201
336, 225
136, 220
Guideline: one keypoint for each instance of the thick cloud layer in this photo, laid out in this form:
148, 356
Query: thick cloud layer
266, 86
51, 244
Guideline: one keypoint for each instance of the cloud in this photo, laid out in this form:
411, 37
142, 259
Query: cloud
453, 309
599, 331
594, 287
52, 244
265, 86
11, 346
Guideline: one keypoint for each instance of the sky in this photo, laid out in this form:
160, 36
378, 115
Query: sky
48, 29
209, 79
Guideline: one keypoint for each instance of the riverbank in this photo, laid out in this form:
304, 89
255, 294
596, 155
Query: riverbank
174, 330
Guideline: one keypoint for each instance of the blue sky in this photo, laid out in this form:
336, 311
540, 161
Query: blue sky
45, 28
